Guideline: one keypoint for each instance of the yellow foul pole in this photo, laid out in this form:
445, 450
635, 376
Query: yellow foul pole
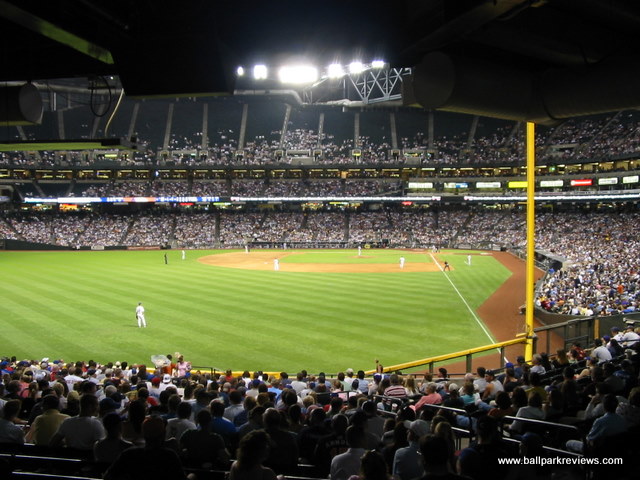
531, 226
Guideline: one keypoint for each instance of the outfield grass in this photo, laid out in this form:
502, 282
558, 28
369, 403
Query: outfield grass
81, 305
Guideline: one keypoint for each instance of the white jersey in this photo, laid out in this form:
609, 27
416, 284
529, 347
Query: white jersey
140, 310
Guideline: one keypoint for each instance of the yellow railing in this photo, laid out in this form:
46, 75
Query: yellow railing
467, 354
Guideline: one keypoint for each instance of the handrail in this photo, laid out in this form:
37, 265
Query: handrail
541, 422
452, 356
563, 324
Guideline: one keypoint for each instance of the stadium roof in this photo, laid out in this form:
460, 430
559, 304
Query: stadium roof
507, 58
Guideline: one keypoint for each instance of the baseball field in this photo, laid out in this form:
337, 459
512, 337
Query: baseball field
323, 310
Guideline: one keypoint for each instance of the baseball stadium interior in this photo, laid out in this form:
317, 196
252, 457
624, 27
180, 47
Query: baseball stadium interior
395, 125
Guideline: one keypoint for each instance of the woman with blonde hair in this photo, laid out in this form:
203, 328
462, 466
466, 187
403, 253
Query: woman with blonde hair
410, 386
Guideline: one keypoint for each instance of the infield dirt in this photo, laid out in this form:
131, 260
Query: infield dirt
264, 261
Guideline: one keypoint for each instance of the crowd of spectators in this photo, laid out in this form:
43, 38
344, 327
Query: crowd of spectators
239, 187
602, 272
238, 229
154, 229
583, 138
369, 227
414, 425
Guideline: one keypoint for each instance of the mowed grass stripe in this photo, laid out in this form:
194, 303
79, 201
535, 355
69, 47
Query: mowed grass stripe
231, 317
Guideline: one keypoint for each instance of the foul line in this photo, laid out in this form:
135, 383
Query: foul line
484, 329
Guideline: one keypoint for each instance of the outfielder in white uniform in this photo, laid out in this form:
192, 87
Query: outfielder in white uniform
401, 262
140, 316
276, 264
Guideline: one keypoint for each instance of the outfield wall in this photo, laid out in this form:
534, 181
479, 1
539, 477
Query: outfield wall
8, 244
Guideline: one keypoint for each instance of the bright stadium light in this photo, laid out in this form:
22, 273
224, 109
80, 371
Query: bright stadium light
298, 74
335, 70
240, 71
377, 64
260, 72
356, 67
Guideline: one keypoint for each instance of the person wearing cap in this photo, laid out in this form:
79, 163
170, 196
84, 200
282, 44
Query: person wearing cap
630, 338
407, 464
616, 333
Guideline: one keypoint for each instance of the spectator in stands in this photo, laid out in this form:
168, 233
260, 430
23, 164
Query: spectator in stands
222, 426
630, 338
480, 382
607, 425
107, 450
201, 447
536, 365
435, 453
177, 426
311, 434
372, 467
154, 460
430, 398
9, 431
480, 460
347, 464
283, 455
533, 411
406, 462
375, 423
46, 425
395, 389
531, 446
600, 352
331, 444
132, 425
253, 451
254, 422
83, 431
